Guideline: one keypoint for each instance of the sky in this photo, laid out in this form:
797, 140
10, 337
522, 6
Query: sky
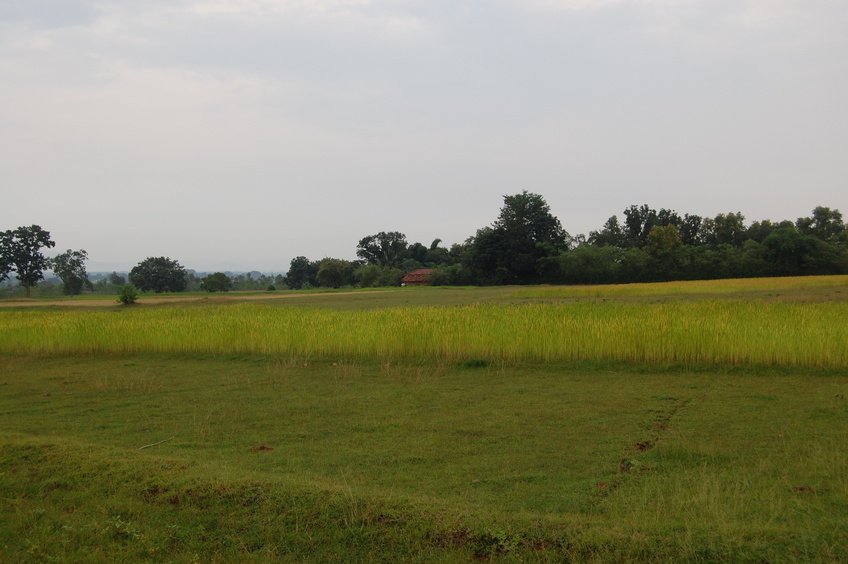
239, 134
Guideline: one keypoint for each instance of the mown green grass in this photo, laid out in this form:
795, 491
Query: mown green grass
418, 462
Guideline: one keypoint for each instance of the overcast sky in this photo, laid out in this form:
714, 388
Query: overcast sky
238, 134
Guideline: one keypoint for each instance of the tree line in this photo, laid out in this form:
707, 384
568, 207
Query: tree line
525, 244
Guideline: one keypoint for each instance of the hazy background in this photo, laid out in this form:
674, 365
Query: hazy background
237, 134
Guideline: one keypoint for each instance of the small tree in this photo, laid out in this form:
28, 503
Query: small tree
117, 279
159, 274
20, 253
70, 268
128, 295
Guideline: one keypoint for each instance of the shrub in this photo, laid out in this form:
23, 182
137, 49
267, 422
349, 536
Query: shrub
128, 295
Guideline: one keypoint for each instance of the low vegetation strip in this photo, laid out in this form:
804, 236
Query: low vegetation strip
725, 288
705, 331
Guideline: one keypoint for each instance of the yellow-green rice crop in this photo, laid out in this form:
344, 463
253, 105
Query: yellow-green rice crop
710, 331
695, 287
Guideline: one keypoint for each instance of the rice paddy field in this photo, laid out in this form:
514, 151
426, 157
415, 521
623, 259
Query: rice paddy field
696, 422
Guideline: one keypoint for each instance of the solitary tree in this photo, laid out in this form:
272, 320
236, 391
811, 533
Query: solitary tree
70, 268
159, 274
20, 252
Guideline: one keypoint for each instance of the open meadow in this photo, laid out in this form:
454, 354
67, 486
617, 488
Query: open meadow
696, 422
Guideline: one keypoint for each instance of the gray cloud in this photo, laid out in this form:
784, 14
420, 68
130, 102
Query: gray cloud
254, 131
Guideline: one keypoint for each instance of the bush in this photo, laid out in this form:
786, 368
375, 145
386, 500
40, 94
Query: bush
128, 295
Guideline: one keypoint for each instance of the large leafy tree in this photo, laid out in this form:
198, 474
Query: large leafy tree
383, 249
638, 222
302, 273
825, 224
519, 246
726, 229
70, 268
20, 252
159, 274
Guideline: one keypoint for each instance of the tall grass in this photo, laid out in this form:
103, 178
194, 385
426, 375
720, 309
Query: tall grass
710, 331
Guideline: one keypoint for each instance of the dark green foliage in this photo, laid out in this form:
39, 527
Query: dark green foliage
373, 276
128, 295
725, 229
640, 220
117, 279
20, 252
335, 273
383, 249
159, 274
790, 253
454, 275
70, 268
612, 235
825, 224
302, 273
519, 246
217, 282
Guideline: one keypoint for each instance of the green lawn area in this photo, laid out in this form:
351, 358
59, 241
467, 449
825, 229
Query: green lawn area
268, 459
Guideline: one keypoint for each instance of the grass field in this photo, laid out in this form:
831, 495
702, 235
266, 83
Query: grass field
174, 446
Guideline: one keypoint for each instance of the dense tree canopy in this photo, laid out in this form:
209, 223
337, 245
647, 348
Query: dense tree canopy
335, 273
521, 244
383, 249
217, 282
303, 273
159, 274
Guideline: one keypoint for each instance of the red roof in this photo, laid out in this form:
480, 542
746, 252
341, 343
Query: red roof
420, 275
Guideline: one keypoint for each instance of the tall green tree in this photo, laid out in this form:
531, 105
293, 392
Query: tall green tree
611, 235
302, 273
159, 274
519, 246
20, 252
639, 220
383, 249
726, 229
825, 224
70, 268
